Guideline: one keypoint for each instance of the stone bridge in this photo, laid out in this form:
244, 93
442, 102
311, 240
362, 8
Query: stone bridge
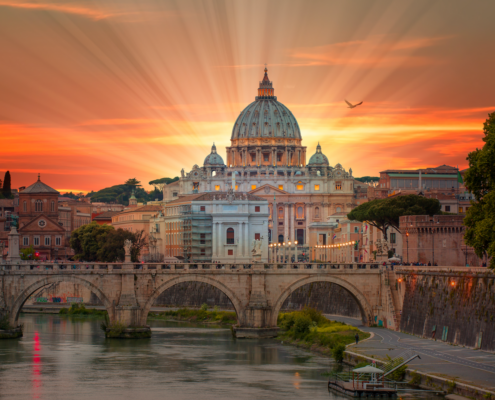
257, 291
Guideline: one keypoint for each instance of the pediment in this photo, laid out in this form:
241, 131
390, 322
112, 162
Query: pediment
267, 189
40, 224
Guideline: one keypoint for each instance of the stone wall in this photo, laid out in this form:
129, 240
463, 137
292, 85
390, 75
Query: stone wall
326, 297
455, 307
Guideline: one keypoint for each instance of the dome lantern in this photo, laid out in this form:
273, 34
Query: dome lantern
266, 90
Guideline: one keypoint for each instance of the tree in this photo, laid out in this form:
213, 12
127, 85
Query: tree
385, 213
6, 188
28, 254
368, 179
132, 182
87, 240
113, 247
163, 181
480, 181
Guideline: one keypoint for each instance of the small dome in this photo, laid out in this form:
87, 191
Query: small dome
318, 158
298, 173
213, 158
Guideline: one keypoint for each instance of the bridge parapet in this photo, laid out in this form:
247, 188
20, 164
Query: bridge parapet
257, 291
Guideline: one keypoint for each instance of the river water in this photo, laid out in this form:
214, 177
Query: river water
69, 358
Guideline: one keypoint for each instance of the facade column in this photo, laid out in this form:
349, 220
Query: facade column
291, 222
308, 220
219, 240
246, 240
275, 223
286, 222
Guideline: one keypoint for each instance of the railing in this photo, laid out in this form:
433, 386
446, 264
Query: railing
37, 266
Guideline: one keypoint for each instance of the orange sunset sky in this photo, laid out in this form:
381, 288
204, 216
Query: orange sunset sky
95, 92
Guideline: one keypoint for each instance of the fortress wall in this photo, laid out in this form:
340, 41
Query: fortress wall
463, 314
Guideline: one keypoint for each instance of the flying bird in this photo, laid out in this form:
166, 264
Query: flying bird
352, 106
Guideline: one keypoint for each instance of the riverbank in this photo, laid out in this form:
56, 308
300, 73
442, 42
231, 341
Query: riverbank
310, 330
202, 315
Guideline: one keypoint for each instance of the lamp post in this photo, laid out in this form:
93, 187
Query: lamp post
290, 257
278, 252
295, 250
283, 259
407, 244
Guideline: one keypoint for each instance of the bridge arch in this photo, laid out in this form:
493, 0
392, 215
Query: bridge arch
31, 289
236, 302
363, 304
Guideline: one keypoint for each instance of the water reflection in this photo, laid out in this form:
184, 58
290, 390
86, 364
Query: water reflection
69, 358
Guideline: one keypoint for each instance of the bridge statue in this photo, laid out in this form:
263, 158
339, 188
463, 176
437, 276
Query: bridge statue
127, 248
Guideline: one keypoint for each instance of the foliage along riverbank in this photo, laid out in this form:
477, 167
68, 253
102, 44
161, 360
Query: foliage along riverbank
202, 315
309, 329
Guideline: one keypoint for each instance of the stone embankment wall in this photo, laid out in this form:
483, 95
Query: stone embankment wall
456, 307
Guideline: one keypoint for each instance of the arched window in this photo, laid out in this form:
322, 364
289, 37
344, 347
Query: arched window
52, 206
317, 212
280, 238
280, 211
39, 206
230, 236
299, 212
338, 209
24, 206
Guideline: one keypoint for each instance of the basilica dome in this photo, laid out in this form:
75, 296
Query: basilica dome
213, 158
318, 158
266, 117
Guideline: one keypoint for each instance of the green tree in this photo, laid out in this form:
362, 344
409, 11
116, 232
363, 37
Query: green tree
385, 213
480, 181
88, 239
163, 181
132, 182
368, 179
28, 254
113, 248
6, 188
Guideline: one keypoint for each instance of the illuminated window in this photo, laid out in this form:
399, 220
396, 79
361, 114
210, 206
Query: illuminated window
280, 211
300, 187
338, 185
236, 187
317, 187
253, 187
281, 187
217, 187
460, 209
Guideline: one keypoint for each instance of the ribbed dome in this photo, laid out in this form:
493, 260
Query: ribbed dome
266, 117
213, 158
318, 158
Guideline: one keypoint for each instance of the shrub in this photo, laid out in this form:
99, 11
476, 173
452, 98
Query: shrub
338, 353
301, 324
415, 379
204, 307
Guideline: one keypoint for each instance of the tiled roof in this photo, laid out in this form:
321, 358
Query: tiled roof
39, 187
141, 209
106, 215
7, 203
186, 199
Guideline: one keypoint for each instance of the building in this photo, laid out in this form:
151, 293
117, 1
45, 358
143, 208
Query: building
266, 158
220, 226
104, 217
436, 240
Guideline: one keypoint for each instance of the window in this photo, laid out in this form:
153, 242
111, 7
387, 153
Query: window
253, 187
58, 241
236, 187
266, 157
257, 236
338, 185
460, 209
338, 209
25, 241
202, 208
230, 236
299, 212
279, 157
447, 208
281, 187
280, 211
392, 238
281, 223
317, 212
37, 241
203, 252
257, 209
203, 238
317, 187
230, 252
52, 206
24, 206
47, 240
299, 187
217, 187
38, 206
174, 194
356, 229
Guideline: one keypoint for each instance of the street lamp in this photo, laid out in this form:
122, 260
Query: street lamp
278, 253
283, 244
290, 259
295, 250
407, 243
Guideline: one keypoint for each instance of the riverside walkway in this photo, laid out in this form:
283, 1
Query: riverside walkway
469, 366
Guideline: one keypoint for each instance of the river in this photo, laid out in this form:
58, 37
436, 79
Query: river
69, 358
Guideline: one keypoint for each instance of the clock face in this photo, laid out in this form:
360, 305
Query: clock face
41, 223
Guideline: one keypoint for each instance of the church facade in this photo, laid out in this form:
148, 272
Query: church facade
266, 158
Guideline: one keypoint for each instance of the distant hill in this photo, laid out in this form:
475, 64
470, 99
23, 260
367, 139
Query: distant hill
165, 181
368, 179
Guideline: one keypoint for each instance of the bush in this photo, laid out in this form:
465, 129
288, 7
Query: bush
338, 353
302, 324
204, 307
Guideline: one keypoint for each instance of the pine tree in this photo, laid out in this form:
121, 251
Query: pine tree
6, 189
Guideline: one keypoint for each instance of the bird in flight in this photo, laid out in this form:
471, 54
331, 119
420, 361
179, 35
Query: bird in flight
352, 106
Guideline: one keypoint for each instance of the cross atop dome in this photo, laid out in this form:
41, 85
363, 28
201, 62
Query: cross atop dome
266, 91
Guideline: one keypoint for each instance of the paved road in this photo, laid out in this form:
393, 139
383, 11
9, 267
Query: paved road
437, 358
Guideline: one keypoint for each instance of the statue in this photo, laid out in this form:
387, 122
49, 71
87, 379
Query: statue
182, 172
127, 247
256, 251
15, 221
379, 247
385, 247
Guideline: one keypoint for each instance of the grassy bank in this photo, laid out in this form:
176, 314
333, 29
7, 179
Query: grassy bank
311, 330
79, 309
202, 315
